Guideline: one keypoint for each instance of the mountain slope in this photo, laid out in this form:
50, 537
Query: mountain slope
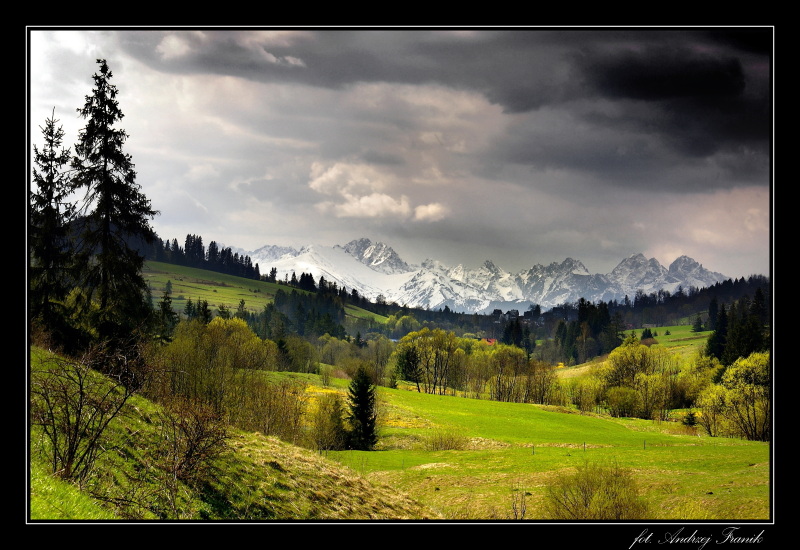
377, 256
341, 267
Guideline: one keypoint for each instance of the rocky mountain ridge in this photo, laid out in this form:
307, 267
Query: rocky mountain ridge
376, 271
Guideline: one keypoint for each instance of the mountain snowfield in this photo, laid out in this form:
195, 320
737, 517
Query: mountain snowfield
375, 270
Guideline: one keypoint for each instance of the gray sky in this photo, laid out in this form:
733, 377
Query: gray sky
520, 146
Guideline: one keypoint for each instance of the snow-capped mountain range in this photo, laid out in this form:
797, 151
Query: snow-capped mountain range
375, 270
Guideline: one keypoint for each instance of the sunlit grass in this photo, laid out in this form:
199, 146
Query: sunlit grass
514, 447
54, 499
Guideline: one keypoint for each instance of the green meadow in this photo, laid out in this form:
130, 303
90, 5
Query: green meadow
509, 451
193, 284
189, 283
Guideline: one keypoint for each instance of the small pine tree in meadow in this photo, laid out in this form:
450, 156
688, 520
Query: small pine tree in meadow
363, 412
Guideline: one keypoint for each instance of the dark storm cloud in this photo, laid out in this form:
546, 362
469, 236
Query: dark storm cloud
660, 73
629, 106
697, 96
505, 65
521, 70
749, 40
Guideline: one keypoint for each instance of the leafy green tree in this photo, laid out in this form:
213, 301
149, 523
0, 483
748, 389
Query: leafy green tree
363, 412
697, 326
189, 310
407, 363
223, 311
116, 214
712, 405
49, 246
746, 333
759, 306
640, 380
432, 364
749, 405
241, 311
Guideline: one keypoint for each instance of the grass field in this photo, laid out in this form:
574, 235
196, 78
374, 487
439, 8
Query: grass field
681, 340
516, 449
217, 289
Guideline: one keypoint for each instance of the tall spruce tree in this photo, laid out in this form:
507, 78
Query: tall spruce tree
167, 318
715, 345
713, 312
363, 413
116, 214
49, 246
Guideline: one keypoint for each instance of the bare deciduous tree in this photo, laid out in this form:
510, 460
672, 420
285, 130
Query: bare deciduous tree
73, 404
194, 434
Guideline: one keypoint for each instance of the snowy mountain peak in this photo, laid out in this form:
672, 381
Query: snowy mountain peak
489, 266
270, 253
692, 273
432, 265
378, 256
574, 266
684, 264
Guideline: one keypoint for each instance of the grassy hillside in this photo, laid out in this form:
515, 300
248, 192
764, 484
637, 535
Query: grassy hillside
681, 339
439, 457
190, 283
678, 339
258, 478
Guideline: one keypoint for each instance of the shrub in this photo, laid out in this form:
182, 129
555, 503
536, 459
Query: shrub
193, 435
325, 374
272, 408
73, 404
444, 440
327, 431
595, 492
